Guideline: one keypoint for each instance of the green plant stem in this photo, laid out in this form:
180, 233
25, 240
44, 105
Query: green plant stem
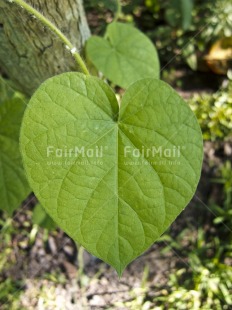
119, 11
80, 260
55, 30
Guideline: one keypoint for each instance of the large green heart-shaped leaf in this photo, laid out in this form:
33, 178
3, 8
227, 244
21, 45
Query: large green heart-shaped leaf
13, 184
124, 56
113, 179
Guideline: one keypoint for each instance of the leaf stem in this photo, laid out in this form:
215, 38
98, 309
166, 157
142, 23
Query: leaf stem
80, 62
119, 11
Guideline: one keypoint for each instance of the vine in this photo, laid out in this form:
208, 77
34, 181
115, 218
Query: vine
80, 62
119, 11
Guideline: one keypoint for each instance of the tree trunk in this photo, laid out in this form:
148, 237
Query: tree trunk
29, 52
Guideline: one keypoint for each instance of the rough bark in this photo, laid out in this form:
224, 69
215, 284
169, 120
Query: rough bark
29, 52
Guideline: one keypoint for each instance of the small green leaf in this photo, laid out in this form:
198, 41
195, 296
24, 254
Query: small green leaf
190, 55
41, 218
124, 56
13, 185
186, 10
113, 179
179, 13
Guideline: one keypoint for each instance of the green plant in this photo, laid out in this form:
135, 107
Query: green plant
124, 55
13, 185
178, 14
204, 282
138, 295
6, 91
224, 213
113, 176
10, 295
124, 10
189, 28
214, 113
41, 218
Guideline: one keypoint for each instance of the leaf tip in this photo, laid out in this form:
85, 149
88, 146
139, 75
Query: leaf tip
120, 269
